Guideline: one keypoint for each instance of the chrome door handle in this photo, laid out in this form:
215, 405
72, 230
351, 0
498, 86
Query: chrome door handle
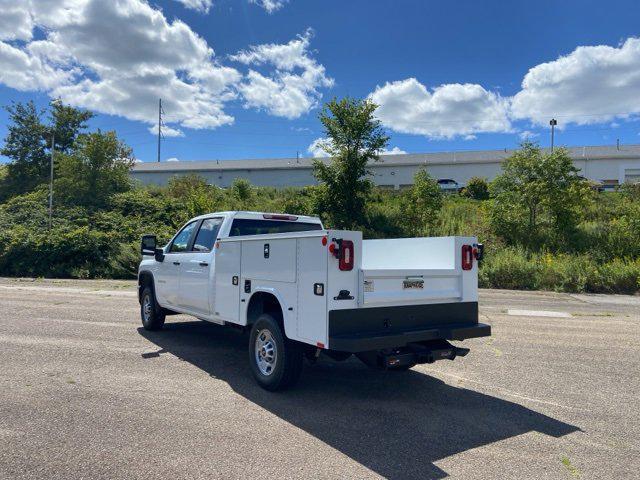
176, 263
204, 264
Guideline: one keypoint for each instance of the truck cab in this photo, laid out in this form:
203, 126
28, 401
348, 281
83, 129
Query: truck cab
302, 290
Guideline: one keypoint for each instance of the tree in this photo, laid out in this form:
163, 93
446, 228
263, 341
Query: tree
539, 197
354, 138
421, 204
96, 168
67, 123
181, 186
26, 147
28, 143
243, 194
477, 188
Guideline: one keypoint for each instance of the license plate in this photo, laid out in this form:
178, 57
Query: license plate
413, 284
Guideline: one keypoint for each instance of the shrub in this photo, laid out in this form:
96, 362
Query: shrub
508, 268
477, 188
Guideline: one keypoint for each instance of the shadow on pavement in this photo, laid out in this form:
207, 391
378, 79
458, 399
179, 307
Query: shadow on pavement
394, 423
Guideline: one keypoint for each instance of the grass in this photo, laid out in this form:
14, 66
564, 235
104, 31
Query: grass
517, 269
570, 467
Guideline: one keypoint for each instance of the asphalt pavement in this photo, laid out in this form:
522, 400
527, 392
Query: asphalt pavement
85, 393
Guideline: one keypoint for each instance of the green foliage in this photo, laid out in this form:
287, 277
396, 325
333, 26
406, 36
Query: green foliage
97, 167
508, 268
243, 194
28, 143
67, 123
477, 188
539, 199
543, 227
421, 204
26, 147
354, 137
515, 268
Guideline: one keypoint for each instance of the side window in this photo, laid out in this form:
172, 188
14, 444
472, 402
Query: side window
181, 242
242, 226
207, 235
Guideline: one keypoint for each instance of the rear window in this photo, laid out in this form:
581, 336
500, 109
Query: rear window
242, 226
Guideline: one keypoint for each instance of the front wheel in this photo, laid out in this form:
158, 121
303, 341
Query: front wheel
276, 361
151, 313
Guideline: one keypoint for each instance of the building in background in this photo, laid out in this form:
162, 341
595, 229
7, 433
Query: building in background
609, 165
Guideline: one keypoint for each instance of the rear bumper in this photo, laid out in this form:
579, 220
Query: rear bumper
364, 329
364, 342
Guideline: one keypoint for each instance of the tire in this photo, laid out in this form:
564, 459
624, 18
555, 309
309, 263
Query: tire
151, 313
276, 361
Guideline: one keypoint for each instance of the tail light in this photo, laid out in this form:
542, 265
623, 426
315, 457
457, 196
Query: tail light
467, 257
343, 250
346, 255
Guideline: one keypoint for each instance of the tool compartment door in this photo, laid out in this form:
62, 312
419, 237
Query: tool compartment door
312, 290
226, 303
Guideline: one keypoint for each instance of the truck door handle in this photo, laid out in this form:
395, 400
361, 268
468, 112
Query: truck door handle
204, 264
176, 263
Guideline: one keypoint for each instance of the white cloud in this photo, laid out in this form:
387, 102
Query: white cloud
447, 111
202, 6
15, 22
593, 84
316, 148
172, 159
393, 151
118, 58
317, 151
167, 131
527, 135
23, 71
293, 89
270, 5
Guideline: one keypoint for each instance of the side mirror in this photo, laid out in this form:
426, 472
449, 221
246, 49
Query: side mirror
148, 245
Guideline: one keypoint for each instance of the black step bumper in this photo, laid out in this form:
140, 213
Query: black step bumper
364, 329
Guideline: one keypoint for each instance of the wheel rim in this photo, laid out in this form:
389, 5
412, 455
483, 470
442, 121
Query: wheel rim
266, 352
146, 307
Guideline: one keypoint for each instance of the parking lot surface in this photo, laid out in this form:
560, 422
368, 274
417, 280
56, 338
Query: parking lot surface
86, 393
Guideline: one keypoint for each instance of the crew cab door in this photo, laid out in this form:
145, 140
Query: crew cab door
196, 269
167, 283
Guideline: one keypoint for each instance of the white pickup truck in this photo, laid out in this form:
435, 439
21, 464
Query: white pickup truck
303, 290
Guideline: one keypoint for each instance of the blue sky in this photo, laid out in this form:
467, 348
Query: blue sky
245, 78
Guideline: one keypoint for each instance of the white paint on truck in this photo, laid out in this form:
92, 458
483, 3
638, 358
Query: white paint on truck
326, 289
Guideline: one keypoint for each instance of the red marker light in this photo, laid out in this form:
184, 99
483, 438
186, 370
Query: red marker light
324, 241
332, 247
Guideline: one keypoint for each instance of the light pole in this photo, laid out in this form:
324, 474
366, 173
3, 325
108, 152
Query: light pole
553, 124
53, 148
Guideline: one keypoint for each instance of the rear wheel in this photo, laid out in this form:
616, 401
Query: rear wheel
276, 361
151, 313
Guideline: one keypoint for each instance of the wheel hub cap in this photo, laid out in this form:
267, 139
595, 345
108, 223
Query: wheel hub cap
265, 352
146, 307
